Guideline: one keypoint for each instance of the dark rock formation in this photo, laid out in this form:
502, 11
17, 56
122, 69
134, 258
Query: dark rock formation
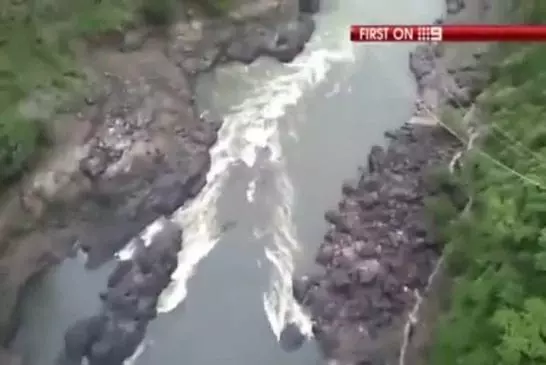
283, 41
455, 6
128, 203
377, 250
129, 303
422, 61
290, 39
291, 338
309, 6
219, 41
142, 147
440, 84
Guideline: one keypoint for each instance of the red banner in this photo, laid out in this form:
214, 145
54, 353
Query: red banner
448, 33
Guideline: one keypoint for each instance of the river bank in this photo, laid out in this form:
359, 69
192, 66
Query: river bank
380, 257
495, 249
141, 148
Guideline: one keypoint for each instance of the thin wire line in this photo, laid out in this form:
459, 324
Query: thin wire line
487, 155
515, 143
433, 115
495, 125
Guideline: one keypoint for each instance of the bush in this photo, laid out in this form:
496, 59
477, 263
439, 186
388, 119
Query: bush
36, 59
158, 12
497, 252
36, 39
18, 140
36, 56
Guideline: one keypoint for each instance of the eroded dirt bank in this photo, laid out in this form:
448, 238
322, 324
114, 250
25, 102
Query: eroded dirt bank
140, 148
377, 258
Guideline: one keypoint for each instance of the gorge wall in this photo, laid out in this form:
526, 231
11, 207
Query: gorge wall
375, 298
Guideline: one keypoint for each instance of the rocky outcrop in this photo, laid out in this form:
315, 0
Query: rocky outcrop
283, 42
454, 6
144, 153
309, 6
378, 250
241, 43
441, 85
379, 255
129, 303
149, 156
291, 338
202, 44
451, 74
141, 150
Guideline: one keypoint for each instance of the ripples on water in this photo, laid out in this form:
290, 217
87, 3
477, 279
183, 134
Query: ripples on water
252, 125
252, 118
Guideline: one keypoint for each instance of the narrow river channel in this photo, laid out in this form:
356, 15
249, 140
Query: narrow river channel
292, 134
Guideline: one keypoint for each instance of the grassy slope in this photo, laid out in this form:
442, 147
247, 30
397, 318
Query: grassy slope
37, 62
497, 252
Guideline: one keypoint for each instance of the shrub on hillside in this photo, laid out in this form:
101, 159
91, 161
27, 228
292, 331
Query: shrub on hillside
158, 12
18, 141
36, 58
496, 253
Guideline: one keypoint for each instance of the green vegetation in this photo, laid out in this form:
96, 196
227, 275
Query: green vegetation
37, 64
496, 252
38, 39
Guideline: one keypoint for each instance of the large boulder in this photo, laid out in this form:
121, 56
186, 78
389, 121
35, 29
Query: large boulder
291, 338
301, 286
250, 43
117, 343
282, 42
291, 39
376, 158
455, 6
79, 338
129, 303
309, 6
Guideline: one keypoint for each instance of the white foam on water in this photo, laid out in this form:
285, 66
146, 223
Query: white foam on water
81, 256
249, 127
239, 139
127, 252
255, 137
334, 91
148, 234
139, 351
200, 234
279, 304
251, 191
310, 70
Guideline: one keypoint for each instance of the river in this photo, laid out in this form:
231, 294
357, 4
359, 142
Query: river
292, 134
